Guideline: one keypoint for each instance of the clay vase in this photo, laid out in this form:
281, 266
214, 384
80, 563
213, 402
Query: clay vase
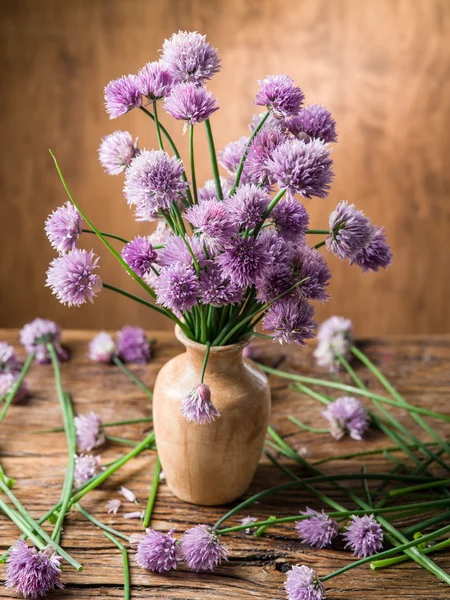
214, 463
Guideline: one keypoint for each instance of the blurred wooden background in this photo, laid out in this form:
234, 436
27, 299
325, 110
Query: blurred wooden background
381, 66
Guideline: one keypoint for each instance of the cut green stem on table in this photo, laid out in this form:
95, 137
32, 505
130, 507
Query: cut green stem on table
101, 525
307, 427
22, 524
126, 566
152, 495
11, 394
109, 424
120, 440
416, 488
445, 516
387, 562
132, 376
370, 453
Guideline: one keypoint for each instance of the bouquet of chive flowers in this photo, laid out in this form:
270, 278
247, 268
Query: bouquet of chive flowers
234, 252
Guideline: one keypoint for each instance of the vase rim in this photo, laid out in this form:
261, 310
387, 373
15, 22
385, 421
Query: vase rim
181, 337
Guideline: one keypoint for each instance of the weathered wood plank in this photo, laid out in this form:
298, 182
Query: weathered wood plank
417, 365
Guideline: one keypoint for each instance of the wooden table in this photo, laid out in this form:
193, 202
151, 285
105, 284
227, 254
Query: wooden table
418, 366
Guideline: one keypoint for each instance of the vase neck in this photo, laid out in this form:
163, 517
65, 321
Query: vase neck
228, 359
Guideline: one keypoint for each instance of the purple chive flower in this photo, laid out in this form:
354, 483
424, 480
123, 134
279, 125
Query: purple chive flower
259, 154
176, 251
71, 277
89, 431
290, 219
133, 345
128, 494
157, 551
303, 583
122, 95
177, 287
211, 224
347, 415
153, 182
350, 231
279, 95
63, 228
290, 320
189, 57
201, 549
7, 381
35, 335
33, 572
376, 254
208, 191
86, 467
102, 348
302, 168
154, 80
364, 536
308, 264
318, 530
248, 521
113, 505
217, 290
197, 407
231, 155
312, 122
243, 260
9, 363
161, 234
116, 152
139, 255
276, 281
246, 207
335, 338
276, 249
190, 103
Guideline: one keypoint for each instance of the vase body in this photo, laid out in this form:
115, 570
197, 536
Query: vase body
214, 463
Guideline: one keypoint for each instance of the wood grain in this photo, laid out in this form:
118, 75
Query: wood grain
418, 366
381, 67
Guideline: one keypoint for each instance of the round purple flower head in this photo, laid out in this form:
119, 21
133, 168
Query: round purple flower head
176, 251
335, 338
201, 549
302, 583
279, 95
208, 191
211, 223
308, 264
290, 320
116, 152
189, 57
7, 381
217, 290
154, 80
157, 551
257, 162
247, 205
152, 182
376, 254
122, 95
102, 348
63, 228
302, 168
350, 231
231, 155
290, 219
89, 431
133, 345
347, 415
313, 122
318, 530
33, 572
71, 277
35, 335
177, 287
190, 103
197, 407
364, 536
9, 363
86, 467
161, 234
139, 255
243, 260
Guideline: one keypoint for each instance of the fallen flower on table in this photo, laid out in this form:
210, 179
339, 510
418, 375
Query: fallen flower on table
133, 346
157, 551
9, 361
7, 381
347, 415
102, 348
128, 494
113, 505
318, 530
364, 536
202, 549
303, 583
36, 335
89, 431
134, 515
334, 339
87, 467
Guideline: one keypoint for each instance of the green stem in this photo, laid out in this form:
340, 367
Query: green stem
126, 566
319, 245
381, 564
244, 154
416, 488
120, 440
101, 525
192, 162
22, 524
152, 495
368, 453
259, 532
10, 396
158, 128
107, 235
352, 390
205, 361
268, 210
307, 427
318, 231
213, 157
132, 376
